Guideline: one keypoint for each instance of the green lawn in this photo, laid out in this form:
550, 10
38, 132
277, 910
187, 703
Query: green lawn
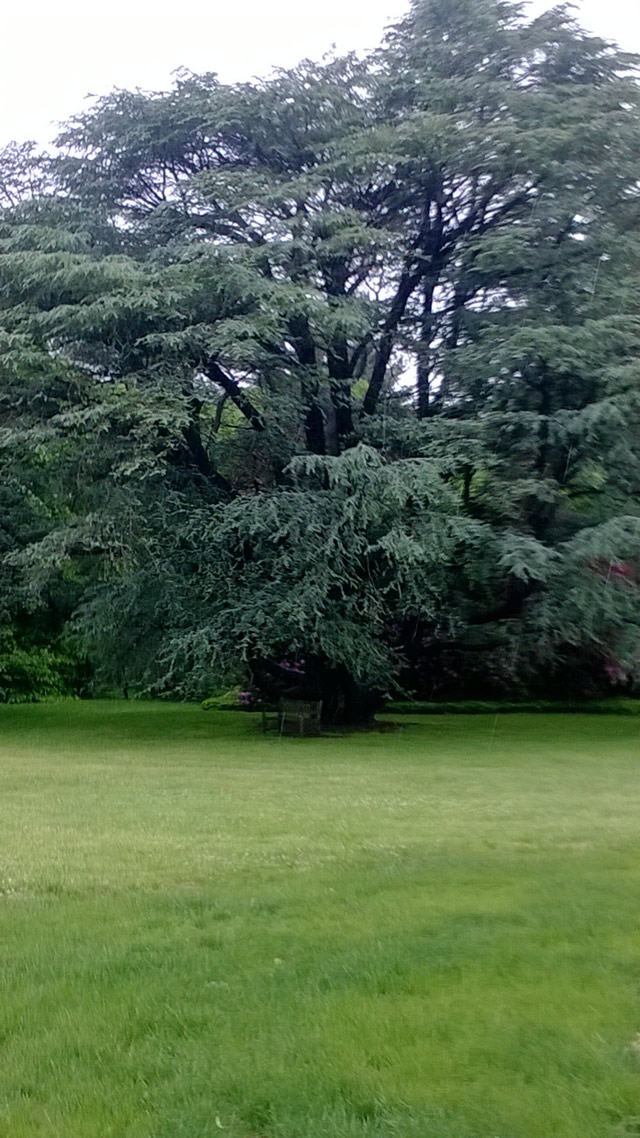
426, 934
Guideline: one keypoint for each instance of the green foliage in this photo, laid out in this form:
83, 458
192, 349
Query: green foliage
320, 568
31, 674
419, 272
224, 701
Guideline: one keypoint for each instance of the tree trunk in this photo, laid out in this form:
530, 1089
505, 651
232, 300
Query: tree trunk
407, 284
314, 424
344, 702
340, 388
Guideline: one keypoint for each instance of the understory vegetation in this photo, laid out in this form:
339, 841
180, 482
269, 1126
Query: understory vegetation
429, 932
327, 383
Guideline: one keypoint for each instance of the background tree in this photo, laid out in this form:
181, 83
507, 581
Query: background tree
431, 252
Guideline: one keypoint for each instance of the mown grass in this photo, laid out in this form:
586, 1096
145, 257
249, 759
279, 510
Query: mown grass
431, 933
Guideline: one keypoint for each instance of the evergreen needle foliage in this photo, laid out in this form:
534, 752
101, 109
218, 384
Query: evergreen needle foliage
337, 368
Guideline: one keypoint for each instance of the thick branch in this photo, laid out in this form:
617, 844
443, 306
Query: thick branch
218, 375
427, 259
198, 458
409, 281
424, 351
193, 452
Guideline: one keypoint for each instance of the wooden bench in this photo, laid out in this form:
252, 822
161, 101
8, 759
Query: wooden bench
294, 717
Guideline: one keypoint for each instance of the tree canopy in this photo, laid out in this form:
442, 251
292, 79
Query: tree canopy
338, 367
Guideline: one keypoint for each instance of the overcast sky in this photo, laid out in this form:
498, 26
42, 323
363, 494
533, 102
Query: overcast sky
54, 53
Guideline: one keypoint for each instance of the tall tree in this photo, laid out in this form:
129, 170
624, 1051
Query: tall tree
431, 252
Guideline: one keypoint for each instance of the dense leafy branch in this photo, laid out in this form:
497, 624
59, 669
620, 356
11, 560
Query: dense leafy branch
340, 366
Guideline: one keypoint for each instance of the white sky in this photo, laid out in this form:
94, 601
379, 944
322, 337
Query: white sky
53, 53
